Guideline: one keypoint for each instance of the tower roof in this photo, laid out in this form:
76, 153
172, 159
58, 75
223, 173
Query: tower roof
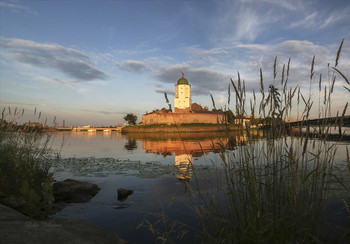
182, 81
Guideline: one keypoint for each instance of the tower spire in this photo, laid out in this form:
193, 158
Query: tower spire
183, 74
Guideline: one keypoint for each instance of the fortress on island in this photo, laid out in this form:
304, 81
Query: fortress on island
185, 112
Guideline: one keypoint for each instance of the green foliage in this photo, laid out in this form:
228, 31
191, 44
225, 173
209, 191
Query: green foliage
230, 116
131, 119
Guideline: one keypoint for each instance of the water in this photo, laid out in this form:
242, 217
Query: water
155, 166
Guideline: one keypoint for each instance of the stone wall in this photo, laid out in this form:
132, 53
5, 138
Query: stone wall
182, 118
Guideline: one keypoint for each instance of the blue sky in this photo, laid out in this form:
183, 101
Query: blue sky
92, 62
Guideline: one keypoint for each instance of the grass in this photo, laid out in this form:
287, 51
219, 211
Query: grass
276, 190
25, 168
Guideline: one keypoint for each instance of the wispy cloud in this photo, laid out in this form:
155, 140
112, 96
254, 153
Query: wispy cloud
71, 62
167, 91
318, 20
134, 66
241, 21
104, 112
287, 4
308, 21
17, 104
17, 7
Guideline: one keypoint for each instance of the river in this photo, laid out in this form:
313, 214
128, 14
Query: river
155, 166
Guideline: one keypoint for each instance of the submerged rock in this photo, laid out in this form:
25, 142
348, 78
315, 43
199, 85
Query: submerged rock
124, 193
75, 191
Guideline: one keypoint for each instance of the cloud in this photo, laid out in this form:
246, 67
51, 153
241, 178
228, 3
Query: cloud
287, 4
308, 21
134, 66
220, 62
71, 62
17, 7
167, 91
203, 80
301, 54
103, 112
18, 104
319, 20
242, 21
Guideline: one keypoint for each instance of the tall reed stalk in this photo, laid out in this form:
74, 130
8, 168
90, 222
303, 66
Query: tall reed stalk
275, 190
25, 178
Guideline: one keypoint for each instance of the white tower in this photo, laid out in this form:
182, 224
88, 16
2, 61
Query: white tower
182, 101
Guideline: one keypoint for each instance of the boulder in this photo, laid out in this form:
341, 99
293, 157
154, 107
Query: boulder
124, 193
17, 202
74, 191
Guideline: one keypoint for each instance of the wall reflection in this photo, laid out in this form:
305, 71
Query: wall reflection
187, 146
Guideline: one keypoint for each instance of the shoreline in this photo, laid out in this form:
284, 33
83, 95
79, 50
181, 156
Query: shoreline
16, 227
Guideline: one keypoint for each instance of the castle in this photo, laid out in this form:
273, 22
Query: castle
185, 112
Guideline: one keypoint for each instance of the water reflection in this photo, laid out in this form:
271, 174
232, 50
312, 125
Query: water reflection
183, 164
187, 146
130, 145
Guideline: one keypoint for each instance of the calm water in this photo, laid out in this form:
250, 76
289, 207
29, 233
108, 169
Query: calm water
155, 166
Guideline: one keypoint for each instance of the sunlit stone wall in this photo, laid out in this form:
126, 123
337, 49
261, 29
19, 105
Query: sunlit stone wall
182, 118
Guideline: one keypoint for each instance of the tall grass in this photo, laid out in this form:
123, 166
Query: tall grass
276, 190
25, 176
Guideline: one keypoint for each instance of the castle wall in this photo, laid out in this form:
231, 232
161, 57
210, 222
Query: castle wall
181, 118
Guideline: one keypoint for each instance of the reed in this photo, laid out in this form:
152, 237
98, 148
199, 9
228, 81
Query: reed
275, 191
25, 166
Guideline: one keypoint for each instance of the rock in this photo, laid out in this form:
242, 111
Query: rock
17, 203
75, 191
124, 193
9, 214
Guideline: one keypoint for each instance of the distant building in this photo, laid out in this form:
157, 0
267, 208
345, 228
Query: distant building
184, 114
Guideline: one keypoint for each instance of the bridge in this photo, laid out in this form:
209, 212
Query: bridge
322, 121
89, 129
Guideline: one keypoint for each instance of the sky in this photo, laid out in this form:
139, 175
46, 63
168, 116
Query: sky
92, 62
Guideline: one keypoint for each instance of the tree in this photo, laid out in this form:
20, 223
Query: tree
229, 116
131, 119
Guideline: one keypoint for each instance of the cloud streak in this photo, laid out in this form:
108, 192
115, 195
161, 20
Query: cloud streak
134, 66
17, 7
319, 20
71, 62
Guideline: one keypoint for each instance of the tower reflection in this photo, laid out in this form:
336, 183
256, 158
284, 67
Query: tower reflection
184, 164
188, 146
